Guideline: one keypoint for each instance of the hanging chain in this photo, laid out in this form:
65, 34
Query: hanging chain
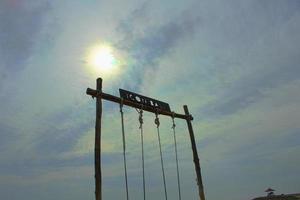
142, 143
156, 121
141, 118
176, 155
124, 148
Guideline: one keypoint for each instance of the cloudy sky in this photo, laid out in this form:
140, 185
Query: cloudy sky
234, 63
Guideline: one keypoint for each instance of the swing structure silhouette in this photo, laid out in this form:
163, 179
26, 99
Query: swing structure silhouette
141, 103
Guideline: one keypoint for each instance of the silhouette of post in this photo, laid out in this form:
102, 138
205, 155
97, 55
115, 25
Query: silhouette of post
195, 154
98, 175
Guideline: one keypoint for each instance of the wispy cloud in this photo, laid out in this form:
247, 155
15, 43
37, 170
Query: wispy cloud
20, 24
147, 43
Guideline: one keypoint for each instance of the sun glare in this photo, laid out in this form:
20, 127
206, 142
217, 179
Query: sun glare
101, 58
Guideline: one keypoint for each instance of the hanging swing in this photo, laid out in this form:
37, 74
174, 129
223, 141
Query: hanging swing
176, 156
124, 148
157, 123
142, 144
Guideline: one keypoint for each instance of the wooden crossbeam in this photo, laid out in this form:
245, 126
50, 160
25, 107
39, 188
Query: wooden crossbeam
102, 95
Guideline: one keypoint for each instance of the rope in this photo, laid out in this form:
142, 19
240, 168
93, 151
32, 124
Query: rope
124, 148
142, 142
176, 154
156, 121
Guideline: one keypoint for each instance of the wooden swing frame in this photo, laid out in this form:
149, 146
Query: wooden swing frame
99, 95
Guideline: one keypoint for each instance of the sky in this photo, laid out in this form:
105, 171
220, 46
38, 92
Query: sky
234, 63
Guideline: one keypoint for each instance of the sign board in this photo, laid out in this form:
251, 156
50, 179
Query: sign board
137, 98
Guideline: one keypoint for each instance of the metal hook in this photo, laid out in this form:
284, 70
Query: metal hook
121, 105
173, 120
156, 121
141, 118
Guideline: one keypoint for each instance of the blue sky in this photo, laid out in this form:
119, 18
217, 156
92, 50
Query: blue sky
234, 63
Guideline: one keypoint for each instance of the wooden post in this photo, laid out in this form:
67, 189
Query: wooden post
195, 154
98, 176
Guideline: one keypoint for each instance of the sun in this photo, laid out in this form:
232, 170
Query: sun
101, 58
